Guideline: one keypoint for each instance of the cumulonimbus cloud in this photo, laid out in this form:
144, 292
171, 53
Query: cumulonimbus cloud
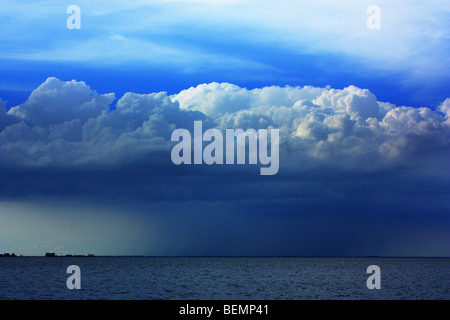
67, 123
68, 141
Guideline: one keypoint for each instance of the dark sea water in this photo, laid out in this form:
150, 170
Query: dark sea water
224, 278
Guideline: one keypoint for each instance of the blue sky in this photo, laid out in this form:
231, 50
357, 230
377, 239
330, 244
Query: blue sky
146, 46
363, 117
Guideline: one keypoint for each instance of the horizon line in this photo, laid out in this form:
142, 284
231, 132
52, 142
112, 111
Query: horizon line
216, 256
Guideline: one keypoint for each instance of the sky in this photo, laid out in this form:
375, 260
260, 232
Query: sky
86, 117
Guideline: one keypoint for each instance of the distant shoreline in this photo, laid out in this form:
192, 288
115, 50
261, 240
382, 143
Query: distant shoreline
144, 256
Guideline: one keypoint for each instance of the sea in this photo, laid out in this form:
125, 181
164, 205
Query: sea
224, 278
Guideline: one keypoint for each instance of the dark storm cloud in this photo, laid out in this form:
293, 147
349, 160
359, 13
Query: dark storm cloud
339, 149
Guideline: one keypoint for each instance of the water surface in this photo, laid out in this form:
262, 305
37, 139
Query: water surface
223, 278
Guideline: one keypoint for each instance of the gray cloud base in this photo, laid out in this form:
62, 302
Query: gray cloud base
67, 139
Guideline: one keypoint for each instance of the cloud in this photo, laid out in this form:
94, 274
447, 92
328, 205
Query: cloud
67, 139
445, 108
215, 99
67, 123
55, 102
325, 123
408, 41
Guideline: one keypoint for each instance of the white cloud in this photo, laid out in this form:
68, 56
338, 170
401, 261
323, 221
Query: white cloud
67, 123
445, 108
359, 104
55, 102
413, 37
216, 99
